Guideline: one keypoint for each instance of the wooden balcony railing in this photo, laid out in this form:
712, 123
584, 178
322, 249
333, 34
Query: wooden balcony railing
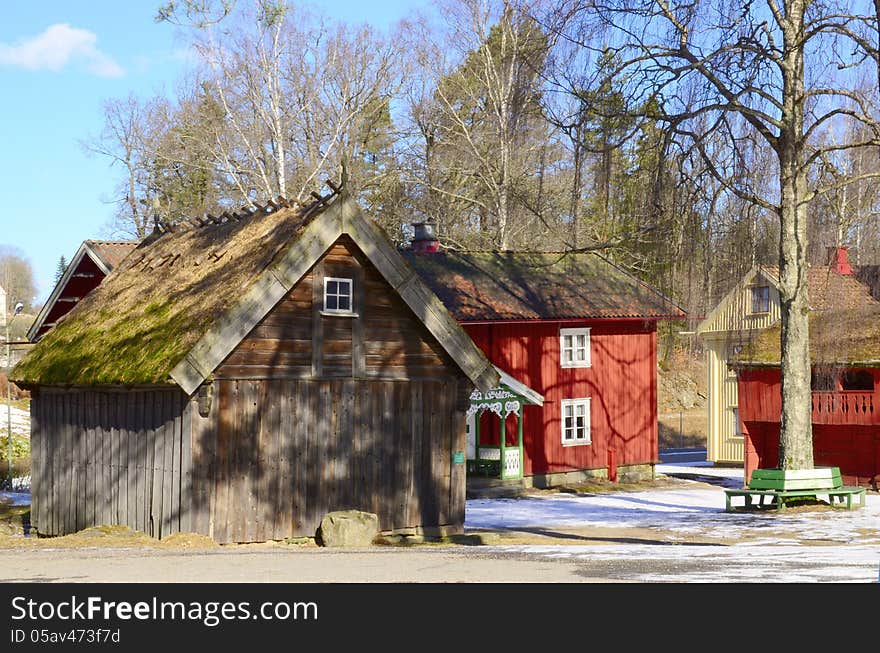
843, 408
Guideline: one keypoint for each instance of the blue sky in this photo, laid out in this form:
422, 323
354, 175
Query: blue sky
59, 61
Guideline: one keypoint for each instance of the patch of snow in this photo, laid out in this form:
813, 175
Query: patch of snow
20, 420
836, 546
16, 498
721, 564
689, 511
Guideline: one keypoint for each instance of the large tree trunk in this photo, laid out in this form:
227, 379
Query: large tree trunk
796, 433
796, 437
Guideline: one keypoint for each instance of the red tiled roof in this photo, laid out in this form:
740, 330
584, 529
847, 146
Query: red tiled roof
477, 286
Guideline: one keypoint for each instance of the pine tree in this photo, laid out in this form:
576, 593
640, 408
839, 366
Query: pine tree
61, 269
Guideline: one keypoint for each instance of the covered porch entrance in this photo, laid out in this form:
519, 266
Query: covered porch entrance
503, 461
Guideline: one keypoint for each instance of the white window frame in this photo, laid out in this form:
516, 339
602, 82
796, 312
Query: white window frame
574, 403
340, 311
573, 334
737, 431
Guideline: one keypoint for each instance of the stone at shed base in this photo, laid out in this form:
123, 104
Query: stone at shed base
348, 528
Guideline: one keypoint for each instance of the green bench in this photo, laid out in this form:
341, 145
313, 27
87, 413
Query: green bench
781, 486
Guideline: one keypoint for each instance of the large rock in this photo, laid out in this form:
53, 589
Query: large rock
348, 528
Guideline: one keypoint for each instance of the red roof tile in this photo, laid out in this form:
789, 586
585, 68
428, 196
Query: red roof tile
478, 286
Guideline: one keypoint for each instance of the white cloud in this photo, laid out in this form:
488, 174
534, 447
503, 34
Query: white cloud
58, 46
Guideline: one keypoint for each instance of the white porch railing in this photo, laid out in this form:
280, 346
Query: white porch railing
511, 463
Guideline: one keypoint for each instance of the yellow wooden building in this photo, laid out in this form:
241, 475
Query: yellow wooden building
750, 307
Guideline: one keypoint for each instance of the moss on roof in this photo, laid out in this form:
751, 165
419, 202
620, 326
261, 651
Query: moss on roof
837, 337
152, 309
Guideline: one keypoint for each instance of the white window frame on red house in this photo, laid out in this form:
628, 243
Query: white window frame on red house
574, 349
573, 427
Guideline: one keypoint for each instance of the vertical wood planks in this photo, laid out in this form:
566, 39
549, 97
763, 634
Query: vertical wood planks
36, 464
284, 503
358, 338
250, 447
317, 324
187, 490
225, 406
414, 506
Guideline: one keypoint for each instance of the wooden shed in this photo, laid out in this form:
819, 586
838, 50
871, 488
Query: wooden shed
579, 334
845, 397
243, 376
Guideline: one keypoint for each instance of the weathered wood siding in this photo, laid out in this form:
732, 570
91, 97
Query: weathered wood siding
276, 455
846, 427
109, 457
315, 412
295, 340
621, 384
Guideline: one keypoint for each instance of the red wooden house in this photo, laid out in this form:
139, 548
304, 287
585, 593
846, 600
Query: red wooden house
93, 261
845, 357
577, 331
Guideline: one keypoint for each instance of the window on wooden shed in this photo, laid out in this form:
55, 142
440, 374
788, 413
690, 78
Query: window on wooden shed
574, 347
575, 421
857, 380
760, 299
337, 295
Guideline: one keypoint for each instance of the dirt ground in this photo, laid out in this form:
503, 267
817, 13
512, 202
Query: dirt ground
685, 429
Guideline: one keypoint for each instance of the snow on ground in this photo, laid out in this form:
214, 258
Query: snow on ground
769, 546
15, 498
645, 563
20, 419
686, 511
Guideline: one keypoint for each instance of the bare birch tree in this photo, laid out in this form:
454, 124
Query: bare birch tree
296, 94
479, 116
127, 139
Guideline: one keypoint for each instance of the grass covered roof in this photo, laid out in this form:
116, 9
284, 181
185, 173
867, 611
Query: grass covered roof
840, 338
151, 309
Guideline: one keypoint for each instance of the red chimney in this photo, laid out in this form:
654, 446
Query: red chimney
841, 265
424, 241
